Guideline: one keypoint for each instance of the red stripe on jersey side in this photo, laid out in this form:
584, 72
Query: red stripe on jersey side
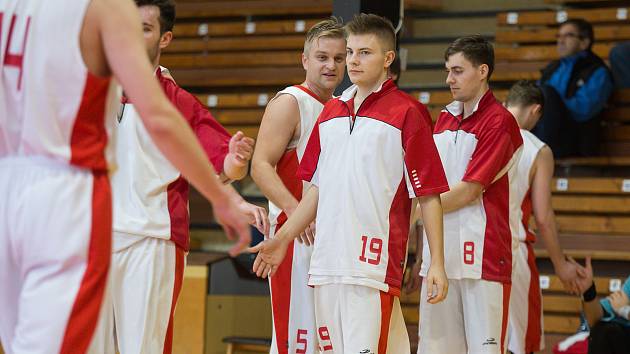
177, 197
387, 302
504, 318
177, 287
497, 246
89, 136
399, 215
287, 168
280, 284
87, 305
534, 331
526, 208
311, 93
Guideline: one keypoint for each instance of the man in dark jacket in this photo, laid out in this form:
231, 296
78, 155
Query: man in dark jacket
576, 88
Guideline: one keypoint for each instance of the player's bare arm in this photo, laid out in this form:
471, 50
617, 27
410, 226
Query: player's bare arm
433, 220
271, 252
280, 124
546, 220
118, 39
461, 195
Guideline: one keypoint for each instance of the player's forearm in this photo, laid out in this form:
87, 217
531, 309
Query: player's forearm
459, 196
303, 215
593, 311
546, 226
267, 179
232, 170
433, 222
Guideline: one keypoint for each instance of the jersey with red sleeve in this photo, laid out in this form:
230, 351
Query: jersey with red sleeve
151, 196
367, 167
480, 148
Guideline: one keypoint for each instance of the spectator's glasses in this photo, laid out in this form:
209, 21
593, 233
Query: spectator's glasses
568, 35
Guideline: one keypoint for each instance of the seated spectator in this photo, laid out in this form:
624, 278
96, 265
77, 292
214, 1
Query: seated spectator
620, 64
576, 88
609, 318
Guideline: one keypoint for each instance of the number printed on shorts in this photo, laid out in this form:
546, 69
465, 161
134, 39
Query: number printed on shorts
469, 252
375, 250
14, 59
301, 341
324, 339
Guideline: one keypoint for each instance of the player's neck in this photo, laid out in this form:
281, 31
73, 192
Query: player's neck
470, 104
322, 93
156, 61
365, 89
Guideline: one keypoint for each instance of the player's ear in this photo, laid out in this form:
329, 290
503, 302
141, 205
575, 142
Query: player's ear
390, 55
536, 110
166, 39
483, 70
304, 60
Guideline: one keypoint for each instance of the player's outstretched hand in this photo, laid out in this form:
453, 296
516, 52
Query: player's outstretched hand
568, 274
437, 284
257, 216
241, 148
234, 222
585, 274
271, 252
307, 237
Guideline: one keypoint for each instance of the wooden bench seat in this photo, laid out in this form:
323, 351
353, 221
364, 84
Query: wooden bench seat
240, 43
594, 16
548, 35
233, 60
210, 9
247, 344
542, 52
238, 77
252, 29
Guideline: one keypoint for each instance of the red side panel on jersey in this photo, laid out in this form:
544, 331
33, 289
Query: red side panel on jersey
399, 214
177, 287
89, 136
87, 305
526, 207
497, 251
387, 303
177, 195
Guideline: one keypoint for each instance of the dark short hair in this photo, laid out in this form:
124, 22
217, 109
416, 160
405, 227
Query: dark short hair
475, 49
167, 12
525, 93
585, 29
379, 26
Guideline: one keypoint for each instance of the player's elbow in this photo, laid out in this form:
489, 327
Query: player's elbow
472, 192
258, 168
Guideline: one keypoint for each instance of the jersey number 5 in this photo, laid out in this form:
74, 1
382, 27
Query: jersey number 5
375, 249
13, 59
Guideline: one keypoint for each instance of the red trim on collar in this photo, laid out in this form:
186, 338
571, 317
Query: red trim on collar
311, 93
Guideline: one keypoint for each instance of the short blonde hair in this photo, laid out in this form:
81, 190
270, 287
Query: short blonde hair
330, 28
379, 26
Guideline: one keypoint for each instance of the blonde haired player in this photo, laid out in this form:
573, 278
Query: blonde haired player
284, 131
57, 103
370, 155
530, 190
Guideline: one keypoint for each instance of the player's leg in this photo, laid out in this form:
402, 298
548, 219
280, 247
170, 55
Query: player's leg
486, 307
63, 231
441, 327
302, 326
398, 339
328, 309
152, 273
519, 311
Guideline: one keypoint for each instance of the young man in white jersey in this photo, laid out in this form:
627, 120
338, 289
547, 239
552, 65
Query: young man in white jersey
370, 154
57, 104
531, 189
284, 132
151, 219
478, 141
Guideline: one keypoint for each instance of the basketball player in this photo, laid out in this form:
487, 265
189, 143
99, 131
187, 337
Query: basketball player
151, 217
530, 190
478, 141
371, 152
284, 131
57, 104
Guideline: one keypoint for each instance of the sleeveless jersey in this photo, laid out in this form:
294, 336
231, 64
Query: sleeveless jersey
520, 188
50, 105
310, 106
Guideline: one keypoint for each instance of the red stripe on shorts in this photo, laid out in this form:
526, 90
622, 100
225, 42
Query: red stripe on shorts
387, 302
534, 327
280, 284
87, 305
177, 287
504, 319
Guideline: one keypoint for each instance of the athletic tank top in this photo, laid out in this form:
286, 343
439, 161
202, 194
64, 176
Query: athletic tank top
50, 105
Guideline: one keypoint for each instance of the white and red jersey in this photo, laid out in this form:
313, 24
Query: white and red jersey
310, 106
151, 196
50, 105
477, 237
367, 167
520, 188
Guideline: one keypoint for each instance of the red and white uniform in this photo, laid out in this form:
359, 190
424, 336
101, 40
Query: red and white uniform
294, 329
525, 333
55, 217
367, 167
477, 237
151, 224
